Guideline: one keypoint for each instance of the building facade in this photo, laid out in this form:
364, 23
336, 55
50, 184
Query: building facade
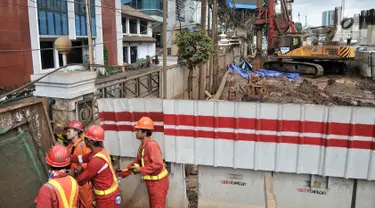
138, 42
30, 27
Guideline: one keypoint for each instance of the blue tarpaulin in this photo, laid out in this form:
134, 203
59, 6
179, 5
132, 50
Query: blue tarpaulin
245, 68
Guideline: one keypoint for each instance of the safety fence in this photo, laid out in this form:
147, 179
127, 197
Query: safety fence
305, 139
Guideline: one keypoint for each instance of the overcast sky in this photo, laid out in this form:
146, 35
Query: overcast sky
314, 8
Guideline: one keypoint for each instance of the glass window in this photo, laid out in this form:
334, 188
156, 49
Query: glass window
180, 10
143, 25
80, 18
133, 26
53, 17
47, 55
123, 25
75, 56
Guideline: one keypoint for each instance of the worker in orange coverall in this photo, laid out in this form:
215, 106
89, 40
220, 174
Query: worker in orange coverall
61, 190
149, 163
77, 146
99, 170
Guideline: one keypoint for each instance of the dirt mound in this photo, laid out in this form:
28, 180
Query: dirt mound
326, 90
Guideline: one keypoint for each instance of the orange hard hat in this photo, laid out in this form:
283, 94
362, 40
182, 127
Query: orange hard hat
95, 133
75, 124
58, 156
145, 123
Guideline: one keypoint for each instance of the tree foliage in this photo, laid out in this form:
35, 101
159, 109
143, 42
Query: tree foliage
298, 27
194, 48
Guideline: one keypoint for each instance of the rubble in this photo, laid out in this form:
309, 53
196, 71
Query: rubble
326, 90
192, 190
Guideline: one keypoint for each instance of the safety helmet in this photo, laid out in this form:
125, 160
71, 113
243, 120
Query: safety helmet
95, 133
58, 156
145, 123
75, 124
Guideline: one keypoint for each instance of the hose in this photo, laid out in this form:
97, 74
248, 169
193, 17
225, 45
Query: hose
344, 22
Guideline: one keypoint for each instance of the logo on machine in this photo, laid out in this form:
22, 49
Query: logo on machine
284, 50
231, 182
314, 49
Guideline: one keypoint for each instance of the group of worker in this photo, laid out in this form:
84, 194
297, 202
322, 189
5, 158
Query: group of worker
84, 167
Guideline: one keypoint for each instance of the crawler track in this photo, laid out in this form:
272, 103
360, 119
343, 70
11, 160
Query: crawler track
295, 66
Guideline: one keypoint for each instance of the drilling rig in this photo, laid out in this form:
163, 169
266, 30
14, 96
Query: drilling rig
286, 51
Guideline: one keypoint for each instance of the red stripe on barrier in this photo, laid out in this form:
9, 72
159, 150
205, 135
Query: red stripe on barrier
273, 139
130, 116
114, 127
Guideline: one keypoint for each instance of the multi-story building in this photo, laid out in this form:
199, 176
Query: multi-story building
332, 17
179, 11
30, 27
137, 35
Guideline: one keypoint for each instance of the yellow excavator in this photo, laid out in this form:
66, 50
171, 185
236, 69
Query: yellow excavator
292, 54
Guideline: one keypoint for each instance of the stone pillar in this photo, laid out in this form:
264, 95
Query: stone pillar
73, 93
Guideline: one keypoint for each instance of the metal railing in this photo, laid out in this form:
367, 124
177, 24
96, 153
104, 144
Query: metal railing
141, 85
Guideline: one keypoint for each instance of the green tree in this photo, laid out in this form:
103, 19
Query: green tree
298, 27
194, 48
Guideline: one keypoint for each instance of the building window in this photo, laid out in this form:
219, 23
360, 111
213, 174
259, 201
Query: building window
143, 25
80, 17
180, 10
47, 54
53, 17
133, 26
125, 54
124, 25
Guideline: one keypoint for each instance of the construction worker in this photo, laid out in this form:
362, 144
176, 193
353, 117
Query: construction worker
77, 146
149, 163
61, 190
99, 170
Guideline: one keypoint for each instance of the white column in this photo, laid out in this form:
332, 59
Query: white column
56, 58
138, 27
99, 48
71, 21
127, 26
34, 36
149, 29
129, 55
119, 32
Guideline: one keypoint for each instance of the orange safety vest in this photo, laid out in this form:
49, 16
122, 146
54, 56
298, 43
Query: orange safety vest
66, 189
105, 156
161, 175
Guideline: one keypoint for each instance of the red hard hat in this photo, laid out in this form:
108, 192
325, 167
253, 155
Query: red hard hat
95, 133
58, 156
75, 124
145, 123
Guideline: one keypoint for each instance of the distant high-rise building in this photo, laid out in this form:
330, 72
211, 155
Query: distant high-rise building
332, 17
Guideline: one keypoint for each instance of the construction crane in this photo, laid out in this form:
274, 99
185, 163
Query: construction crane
286, 48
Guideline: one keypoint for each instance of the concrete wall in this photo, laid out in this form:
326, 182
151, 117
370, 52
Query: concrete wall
366, 63
226, 187
134, 191
177, 82
15, 67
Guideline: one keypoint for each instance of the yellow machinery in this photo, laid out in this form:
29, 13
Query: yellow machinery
294, 56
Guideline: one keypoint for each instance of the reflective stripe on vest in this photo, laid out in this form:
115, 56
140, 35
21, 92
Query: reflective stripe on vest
104, 155
62, 191
160, 176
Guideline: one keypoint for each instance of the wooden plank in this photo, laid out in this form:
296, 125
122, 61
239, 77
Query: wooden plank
21, 103
269, 192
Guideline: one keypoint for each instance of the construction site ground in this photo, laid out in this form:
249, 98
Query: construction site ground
346, 90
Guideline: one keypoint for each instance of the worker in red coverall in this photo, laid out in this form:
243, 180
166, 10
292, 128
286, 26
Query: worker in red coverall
99, 170
61, 190
77, 146
149, 163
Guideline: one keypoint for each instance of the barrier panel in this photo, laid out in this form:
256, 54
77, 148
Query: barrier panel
332, 141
